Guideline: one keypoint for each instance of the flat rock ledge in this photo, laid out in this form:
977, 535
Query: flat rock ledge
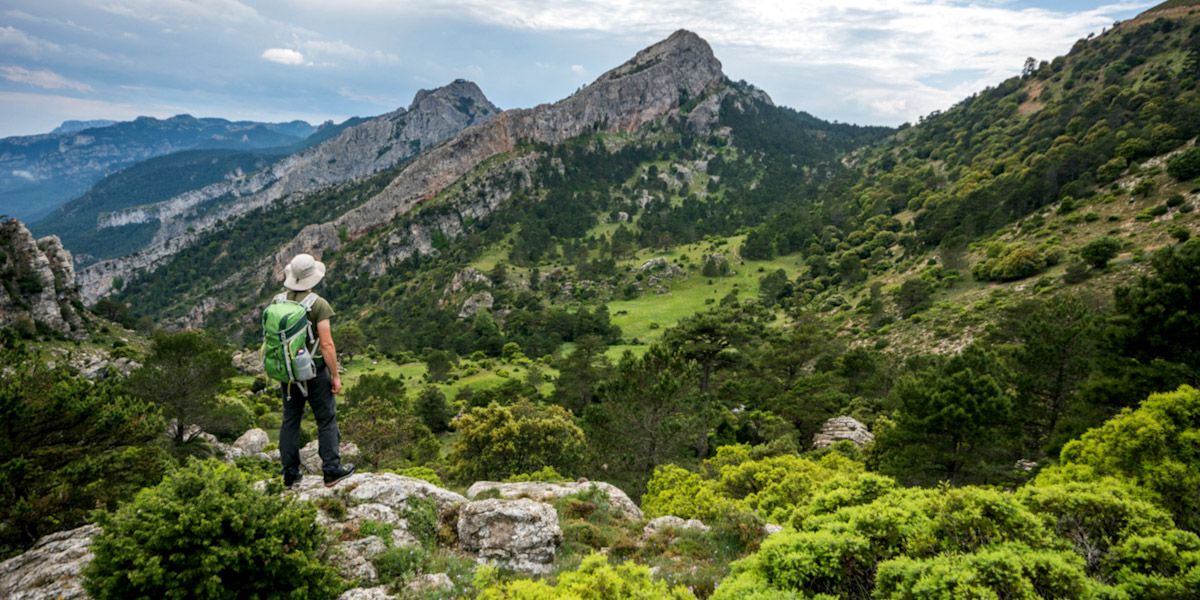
549, 492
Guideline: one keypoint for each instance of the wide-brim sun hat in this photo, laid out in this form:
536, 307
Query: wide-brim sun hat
303, 273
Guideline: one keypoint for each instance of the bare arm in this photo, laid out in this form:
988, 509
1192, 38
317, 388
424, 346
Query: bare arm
329, 353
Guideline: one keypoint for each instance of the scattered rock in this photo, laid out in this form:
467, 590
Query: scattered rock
430, 582
253, 441
842, 428
521, 535
51, 568
374, 593
1025, 465
548, 492
670, 522
771, 529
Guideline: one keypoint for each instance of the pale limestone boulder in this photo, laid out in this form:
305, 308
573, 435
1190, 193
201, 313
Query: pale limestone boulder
310, 457
394, 491
252, 442
522, 535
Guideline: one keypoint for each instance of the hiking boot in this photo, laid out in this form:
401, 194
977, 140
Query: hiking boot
332, 477
289, 481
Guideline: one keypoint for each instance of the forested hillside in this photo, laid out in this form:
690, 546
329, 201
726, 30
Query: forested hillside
816, 360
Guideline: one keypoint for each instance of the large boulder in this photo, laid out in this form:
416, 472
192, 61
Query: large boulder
521, 535
542, 491
51, 569
842, 428
252, 442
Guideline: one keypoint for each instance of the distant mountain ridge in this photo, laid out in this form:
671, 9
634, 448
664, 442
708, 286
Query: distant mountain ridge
71, 126
358, 151
40, 172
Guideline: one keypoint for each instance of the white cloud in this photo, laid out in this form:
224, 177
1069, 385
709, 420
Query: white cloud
27, 44
42, 78
894, 48
283, 56
179, 11
577, 69
325, 52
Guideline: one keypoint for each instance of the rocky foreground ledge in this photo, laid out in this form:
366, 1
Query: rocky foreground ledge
516, 527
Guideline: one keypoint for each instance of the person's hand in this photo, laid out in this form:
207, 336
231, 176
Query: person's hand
337, 384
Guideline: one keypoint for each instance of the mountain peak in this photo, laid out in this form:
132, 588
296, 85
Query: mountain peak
682, 49
453, 92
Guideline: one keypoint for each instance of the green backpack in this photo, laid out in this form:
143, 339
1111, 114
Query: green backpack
287, 336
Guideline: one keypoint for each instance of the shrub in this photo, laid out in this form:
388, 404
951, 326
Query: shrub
67, 447
1099, 251
1009, 263
1185, 165
205, 532
1153, 446
431, 406
1008, 571
497, 441
595, 579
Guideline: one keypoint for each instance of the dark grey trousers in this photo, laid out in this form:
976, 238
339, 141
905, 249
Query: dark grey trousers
324, 408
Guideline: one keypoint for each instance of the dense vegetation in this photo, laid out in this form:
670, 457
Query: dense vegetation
1047, 448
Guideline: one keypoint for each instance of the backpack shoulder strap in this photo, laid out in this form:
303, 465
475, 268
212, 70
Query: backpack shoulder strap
279, 298
309, 300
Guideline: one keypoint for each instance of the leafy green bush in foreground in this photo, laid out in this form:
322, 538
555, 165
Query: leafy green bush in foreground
204, 532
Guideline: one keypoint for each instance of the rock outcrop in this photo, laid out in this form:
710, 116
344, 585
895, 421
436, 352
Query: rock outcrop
50, 570
521, 535
842, 428
542, 491
367, 148
38, 281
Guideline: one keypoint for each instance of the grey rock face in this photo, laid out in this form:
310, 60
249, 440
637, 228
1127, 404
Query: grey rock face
40, 281
360, 151
51, 569
521, 535
475, 303
548, 492
842, 428
353, 558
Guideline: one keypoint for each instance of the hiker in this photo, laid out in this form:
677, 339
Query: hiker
301, 275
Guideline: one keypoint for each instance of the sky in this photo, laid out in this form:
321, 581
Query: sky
879, 62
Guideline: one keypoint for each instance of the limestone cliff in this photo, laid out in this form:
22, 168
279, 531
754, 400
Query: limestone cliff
38, 281
360, 151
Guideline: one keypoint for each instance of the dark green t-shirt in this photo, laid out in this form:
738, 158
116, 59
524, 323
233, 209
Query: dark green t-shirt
321, 310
